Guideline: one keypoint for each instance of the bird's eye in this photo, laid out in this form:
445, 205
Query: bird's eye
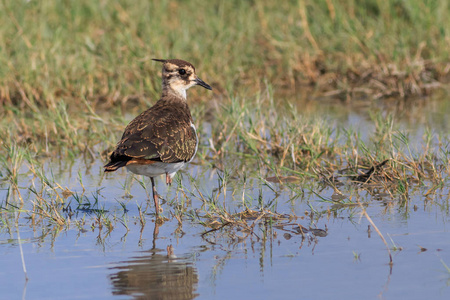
182, 71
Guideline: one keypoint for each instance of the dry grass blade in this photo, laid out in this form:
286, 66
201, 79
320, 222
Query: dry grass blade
364, 212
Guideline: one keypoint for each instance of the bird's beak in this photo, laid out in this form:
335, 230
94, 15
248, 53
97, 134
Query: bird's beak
200, 82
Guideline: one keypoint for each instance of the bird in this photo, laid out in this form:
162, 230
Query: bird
162, 139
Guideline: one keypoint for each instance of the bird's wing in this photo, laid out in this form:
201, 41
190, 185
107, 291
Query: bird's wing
160, 133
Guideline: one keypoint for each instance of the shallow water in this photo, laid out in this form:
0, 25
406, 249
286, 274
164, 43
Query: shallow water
178, 262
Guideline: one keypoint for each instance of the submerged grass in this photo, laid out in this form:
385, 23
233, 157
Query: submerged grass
253, 148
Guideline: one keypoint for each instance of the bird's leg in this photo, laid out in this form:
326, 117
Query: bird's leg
155, 234
168, 179
155, 196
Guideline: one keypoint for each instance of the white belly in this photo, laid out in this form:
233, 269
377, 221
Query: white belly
156, 169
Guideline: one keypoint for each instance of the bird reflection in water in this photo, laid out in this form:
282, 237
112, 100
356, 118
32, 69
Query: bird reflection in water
158, 275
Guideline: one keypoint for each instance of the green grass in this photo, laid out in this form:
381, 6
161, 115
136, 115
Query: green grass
57, 51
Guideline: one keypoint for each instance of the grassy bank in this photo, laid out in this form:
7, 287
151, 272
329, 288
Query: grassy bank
56, 51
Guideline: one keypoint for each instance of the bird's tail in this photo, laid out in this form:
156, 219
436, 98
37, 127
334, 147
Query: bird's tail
117, 161
112, 166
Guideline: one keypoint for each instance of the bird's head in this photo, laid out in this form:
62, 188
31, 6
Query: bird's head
179, 75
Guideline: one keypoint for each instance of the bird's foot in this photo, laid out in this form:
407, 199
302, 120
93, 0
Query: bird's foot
168, 179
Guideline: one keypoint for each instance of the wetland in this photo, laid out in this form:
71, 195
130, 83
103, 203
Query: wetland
322, 170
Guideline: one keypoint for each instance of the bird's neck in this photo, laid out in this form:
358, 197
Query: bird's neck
178, 92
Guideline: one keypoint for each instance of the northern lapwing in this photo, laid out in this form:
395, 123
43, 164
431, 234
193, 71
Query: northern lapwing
162, 139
